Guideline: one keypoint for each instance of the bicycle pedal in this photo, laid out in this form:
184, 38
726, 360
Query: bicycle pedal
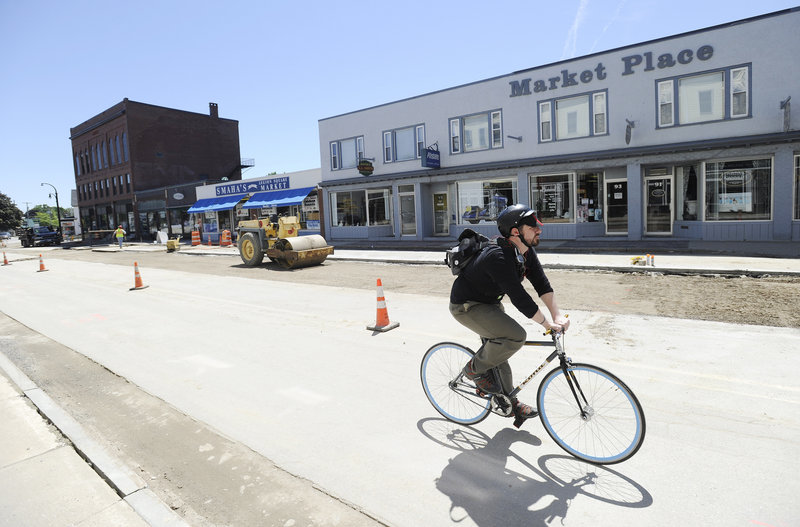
519, 420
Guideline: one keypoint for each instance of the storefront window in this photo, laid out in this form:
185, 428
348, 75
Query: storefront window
553, 197
739, 190
589, 208
686, 192
379, 206
179, 221
482, 201
349, 208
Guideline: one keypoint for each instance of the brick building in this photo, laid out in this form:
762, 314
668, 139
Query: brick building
137, 165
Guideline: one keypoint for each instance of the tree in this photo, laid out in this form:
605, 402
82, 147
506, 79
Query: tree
46, 216
10, 215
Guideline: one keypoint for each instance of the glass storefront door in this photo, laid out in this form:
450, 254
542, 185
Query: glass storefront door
616, 207
441, 225
408, 210
658, 205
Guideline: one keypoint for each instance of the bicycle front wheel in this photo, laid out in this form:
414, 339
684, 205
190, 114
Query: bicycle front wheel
450, 394
591, 414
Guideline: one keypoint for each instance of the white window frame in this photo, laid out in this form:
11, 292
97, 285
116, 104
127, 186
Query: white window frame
545, 122
746, 92
671, 86
390, 143
337, 152
455, 136
359, 148
548, 118
335, 155
388, 148
665, 93
494, 131
599, 99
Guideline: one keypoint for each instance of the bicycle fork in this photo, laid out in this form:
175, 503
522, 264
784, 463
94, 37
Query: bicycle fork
575, 387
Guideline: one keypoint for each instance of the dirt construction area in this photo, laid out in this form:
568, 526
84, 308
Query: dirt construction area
767, 301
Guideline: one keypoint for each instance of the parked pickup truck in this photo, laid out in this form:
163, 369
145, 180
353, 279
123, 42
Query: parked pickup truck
34, 236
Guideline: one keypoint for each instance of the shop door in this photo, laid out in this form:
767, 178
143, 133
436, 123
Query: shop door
616, 207
658, 205
408, 214
441, 225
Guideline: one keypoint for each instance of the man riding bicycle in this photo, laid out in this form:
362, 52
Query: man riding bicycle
477, 293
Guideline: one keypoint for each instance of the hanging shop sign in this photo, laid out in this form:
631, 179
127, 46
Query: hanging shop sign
431, 158
310, 204
365, 167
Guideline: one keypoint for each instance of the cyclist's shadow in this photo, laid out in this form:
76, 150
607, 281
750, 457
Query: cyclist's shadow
480, 486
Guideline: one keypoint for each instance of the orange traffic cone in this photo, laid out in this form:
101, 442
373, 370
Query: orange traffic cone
138, 278
41, 265
382, 323
5, 260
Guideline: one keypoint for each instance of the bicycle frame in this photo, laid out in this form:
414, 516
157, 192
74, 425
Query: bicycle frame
565, 362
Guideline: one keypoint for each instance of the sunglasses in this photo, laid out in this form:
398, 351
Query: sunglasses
531, 220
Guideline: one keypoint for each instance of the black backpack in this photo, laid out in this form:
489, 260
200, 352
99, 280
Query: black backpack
470, 243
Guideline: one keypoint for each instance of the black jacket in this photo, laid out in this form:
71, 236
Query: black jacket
496, 272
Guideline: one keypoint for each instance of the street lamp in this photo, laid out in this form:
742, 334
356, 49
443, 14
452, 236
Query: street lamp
58, 208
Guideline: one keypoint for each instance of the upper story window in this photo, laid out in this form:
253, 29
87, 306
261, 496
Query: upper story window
125, 156
482, 131
345, 153
711, 96
572, 117
403, 144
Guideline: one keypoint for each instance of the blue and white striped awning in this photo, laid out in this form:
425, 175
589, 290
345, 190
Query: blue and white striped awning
277, 198
218, 203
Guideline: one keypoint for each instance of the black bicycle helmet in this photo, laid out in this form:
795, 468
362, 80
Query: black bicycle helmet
514, 216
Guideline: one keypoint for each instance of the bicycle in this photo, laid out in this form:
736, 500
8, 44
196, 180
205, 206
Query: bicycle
588, 411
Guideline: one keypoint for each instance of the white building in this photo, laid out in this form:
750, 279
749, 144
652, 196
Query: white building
685, 137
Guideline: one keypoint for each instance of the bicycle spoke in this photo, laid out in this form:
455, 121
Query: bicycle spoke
442, 365
611, 428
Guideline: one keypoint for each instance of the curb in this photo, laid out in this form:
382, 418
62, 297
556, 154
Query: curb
130, 487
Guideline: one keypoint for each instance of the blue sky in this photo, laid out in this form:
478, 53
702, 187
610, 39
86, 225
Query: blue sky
279, 66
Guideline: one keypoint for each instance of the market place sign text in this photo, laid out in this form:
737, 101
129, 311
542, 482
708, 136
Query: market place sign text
631, 64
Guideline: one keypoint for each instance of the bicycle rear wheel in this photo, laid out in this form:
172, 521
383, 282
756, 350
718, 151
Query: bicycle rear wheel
451, 395
607, 427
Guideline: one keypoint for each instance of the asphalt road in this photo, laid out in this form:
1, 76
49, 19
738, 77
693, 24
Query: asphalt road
288, 371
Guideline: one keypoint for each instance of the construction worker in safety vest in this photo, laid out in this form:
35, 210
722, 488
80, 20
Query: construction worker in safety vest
120, 235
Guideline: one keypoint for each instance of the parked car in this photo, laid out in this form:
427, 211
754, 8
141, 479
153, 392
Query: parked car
4, 235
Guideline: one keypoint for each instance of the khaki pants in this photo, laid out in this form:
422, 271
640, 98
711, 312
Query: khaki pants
504, 336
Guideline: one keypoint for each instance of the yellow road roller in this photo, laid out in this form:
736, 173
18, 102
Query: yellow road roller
281, 243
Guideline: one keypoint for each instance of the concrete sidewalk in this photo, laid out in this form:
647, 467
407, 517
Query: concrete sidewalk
53, 474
